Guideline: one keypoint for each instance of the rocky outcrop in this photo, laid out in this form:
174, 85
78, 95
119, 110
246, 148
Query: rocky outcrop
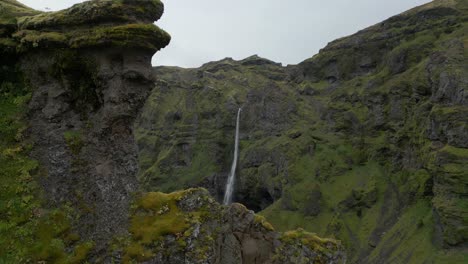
82, 109
190, 227
89, 71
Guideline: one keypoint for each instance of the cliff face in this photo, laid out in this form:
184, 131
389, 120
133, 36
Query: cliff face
88, 84
366, 141
85, 72
72, 84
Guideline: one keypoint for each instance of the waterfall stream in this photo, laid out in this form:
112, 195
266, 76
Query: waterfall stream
232, 175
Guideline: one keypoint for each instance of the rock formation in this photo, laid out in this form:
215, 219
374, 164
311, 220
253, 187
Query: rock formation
88, 84
191, 227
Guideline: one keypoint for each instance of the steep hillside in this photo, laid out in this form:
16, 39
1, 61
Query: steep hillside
367, 141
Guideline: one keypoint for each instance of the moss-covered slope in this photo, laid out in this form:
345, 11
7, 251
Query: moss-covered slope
11, 10
366, 141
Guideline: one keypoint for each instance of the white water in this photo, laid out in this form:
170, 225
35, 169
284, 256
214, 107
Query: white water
232, 175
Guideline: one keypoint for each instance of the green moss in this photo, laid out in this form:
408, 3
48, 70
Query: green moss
171, 178
49, 230
446, 111
74, 140
263, 222
366, 179
102, 11
416, 49
168, 218
156, 215
412, 236
81, 252
132, 35
158, 220
72, 238
34, 39
18, 191
138, 252
458, 152
310, 240
28, 232
88, 25
11, 10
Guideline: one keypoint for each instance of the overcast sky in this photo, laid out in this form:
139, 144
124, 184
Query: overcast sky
287, 31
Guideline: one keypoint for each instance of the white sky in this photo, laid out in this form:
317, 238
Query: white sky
287, 31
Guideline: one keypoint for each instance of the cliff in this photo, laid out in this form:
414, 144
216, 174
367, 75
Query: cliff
78, 77
72, 84
365, 142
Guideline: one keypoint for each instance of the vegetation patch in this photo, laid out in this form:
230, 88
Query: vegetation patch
28, 232
74, 140
156, 216
263, 222
132, 35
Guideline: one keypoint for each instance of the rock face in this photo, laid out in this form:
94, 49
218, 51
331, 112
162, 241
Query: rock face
89, 71
366, 141
86, 146
81, 113
190, 227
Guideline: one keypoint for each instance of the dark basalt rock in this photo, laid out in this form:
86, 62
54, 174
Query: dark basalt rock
82, 174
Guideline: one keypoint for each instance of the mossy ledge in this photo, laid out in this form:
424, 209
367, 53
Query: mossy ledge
97, 12
123, 23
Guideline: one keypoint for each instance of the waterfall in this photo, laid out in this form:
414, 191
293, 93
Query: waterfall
232, 175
